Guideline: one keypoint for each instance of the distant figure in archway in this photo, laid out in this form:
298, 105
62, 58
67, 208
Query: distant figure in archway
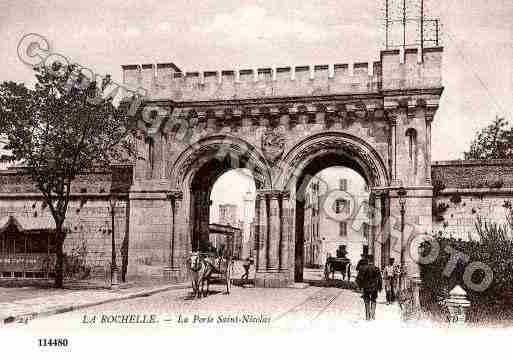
246, 265
390, 278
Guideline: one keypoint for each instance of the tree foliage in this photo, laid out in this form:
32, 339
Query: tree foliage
493, 142
493, 247
59, 130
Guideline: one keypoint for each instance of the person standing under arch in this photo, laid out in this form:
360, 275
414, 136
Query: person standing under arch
390, 277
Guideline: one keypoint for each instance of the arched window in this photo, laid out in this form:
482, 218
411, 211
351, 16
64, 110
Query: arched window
411, 134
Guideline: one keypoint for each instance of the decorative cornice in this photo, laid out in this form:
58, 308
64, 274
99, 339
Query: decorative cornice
272, 193
459, 163
477, 191
414, 92
280, 100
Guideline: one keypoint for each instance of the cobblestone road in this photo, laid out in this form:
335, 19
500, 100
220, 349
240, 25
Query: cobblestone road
254, 307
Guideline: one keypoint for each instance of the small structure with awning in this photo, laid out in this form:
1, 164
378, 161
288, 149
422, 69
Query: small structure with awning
27, 247
227, 237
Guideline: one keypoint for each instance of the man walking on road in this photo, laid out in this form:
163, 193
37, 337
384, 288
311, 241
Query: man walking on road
369, 279
362, 262
359, 266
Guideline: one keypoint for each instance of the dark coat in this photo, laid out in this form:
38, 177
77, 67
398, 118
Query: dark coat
361, 262
369, 278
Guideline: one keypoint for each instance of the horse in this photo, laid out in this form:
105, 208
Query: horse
201, 271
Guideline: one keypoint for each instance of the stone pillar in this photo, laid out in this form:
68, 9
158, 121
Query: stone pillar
163, 160
391, 108
262, 232
285, 231
274, 231
378, 230
176, 201
173, 272
371, 240
384, 227
393, 145
256, 235
273, 238
204, 220
141, 155
201, 220
429, 119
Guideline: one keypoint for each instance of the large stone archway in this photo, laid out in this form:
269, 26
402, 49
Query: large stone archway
282, 123
193, 175
314, 154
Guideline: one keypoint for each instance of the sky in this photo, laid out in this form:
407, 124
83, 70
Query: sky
228, 34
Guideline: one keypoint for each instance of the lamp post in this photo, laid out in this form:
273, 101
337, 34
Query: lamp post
401, 193
113, 266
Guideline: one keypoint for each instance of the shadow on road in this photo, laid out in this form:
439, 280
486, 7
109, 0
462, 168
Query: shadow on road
336, 283
190, 295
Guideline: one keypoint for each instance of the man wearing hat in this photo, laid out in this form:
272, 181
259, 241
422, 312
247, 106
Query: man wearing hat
369, 279
361, 263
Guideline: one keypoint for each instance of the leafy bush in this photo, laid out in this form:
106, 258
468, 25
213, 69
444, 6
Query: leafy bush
75, 263
494, 248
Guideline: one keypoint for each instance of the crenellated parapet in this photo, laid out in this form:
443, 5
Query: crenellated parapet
163, 81
411, 69
395, 70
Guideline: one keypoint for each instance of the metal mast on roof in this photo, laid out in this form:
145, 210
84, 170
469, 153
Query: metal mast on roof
404, 14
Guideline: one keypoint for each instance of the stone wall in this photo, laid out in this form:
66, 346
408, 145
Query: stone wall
466, 190
150, 223
88, 220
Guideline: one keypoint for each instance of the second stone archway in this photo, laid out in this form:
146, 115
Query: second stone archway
279, 234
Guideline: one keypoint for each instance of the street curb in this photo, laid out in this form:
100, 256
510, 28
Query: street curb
69, 308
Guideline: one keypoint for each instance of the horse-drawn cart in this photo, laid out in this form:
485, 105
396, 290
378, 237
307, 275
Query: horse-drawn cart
336, 264
221, 271
207, 268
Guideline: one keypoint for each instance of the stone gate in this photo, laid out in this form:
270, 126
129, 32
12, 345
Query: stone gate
284, 124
